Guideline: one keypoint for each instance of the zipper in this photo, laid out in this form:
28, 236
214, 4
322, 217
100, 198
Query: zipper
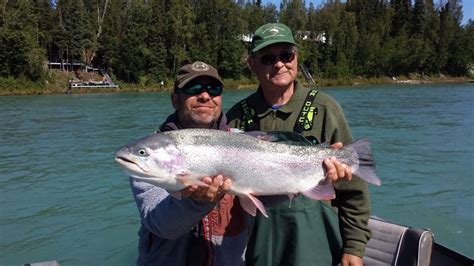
274, 119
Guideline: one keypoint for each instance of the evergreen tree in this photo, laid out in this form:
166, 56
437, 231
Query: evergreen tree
179, 33
20, 53
72, 35
231, 50
208, 20
431, 38
293, 14
401, 18
446, 36
133, 49
469, 33
108, 51
418, 47
313, 55
148, 40
456, 41
44, 15
418, 24
372, 29
156, 40
255, 10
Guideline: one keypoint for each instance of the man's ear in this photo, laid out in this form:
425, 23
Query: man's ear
174, 100
250, 62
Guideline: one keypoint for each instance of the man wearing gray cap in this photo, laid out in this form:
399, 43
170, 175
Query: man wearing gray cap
308, 233
207, 226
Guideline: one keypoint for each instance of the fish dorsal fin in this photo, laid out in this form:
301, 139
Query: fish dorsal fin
261, 135
280, 136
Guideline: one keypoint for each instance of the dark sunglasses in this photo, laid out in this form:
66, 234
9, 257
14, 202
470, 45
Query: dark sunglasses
271, 59
196, 89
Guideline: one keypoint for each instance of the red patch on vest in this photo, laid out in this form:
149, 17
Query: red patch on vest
228, 218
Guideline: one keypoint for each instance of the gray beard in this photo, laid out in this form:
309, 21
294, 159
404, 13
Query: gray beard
193, 120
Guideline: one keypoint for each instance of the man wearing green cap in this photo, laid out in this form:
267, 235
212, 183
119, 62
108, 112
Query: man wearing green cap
309, 232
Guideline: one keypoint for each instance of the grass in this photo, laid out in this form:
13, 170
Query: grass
57, 82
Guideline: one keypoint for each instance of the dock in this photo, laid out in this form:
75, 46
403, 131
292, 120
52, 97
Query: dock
105, 83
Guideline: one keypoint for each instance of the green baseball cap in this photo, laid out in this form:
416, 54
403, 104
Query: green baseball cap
269, 34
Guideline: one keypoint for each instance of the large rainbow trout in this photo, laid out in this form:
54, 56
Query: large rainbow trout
176, 159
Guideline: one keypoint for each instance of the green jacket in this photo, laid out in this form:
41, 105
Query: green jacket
352, 200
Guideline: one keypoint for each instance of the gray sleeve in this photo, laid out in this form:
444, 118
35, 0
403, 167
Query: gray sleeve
164, 215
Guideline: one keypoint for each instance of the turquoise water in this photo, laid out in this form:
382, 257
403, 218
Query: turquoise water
63, 198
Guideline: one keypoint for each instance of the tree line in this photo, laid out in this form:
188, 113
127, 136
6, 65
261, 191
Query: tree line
136, 40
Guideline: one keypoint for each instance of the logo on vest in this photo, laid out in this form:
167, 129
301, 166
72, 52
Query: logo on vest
307, 115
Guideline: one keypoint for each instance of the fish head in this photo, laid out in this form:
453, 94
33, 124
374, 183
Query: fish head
154, 159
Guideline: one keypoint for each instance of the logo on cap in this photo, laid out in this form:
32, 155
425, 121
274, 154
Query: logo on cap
275, 31
199, 66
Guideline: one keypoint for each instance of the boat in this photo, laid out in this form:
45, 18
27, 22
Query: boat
399, 245
394, 245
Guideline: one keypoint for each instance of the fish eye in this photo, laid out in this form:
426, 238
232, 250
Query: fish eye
142, 152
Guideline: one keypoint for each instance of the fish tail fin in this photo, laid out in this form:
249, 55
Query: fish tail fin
323, 191
250, 204
366, 169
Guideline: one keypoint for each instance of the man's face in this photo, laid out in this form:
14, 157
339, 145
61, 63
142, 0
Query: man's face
275, 65
201, 110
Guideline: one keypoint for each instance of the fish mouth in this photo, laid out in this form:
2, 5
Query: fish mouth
123, 161
130, 166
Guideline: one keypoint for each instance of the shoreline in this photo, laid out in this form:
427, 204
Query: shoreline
232, 85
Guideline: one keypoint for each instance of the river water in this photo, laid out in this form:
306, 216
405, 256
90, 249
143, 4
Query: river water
63, 198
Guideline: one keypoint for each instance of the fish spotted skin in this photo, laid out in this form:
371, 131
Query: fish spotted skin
176, 159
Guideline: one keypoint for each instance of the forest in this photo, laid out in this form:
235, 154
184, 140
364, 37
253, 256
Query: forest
146, 41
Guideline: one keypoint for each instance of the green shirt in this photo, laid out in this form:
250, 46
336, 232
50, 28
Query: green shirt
329, 126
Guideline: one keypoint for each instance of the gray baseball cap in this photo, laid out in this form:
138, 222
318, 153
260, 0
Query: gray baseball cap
191, 71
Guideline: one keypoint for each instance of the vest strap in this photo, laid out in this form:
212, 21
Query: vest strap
307, 113
303, 123
248, 123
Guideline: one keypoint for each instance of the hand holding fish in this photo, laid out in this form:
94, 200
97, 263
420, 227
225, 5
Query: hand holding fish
351, 260
218, 186
336, 170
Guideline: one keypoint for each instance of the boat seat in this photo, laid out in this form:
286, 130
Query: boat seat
393, 244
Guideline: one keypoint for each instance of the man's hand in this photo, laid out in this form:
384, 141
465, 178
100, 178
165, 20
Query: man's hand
218, 186
351, 260
334, 169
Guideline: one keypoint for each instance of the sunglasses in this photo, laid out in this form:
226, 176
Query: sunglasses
271, 59
196, 89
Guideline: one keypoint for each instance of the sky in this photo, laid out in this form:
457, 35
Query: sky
467, 7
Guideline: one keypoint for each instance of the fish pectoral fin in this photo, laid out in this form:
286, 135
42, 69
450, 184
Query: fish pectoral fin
250, 204
323, 191
186, 181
